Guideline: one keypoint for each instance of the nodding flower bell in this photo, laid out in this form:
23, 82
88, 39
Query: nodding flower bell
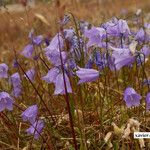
30, 114
36, 128
131, 97
3, 70
6, 102
87, 75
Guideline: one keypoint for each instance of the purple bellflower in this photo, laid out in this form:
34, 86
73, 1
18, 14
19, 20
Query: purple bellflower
145, 50
117, 28
36, 40
142, 55
55, 76
60, 86
52, 52
30, 114
55, 43
122, 57
123, 27
111, 27
28, 51
15, 79
54, 57
16, 83
147, 30
140, 35
36, 129
87, 75
3, 70
51, 75
148, 101
131, 97
6, 102
95, 36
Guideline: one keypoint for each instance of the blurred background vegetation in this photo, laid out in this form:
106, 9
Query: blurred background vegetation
16, 1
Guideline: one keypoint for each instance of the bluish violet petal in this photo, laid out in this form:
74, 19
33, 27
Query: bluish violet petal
38, 40
140, 36
28, 51
148, 101
15, 79
9, 104
145, 50
17, 90
124, 61
3, 70
59, 85
123, 27
95, 36
87, 75
30, 114
5, 101
131, 97
36, 128
51, 75
56, 43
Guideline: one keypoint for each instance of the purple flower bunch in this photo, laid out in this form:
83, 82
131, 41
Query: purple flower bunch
16, 84
132, 98
84, 55
34, 41
37, 125
6, 101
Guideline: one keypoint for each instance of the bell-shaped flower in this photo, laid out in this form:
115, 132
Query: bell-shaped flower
60, 86
95, 36
123, 27
30, 114
28, 51
117, 28
37, 40
15, 79
131, 97
148, 101
145, 50
51, 75
3, 70
56, 43
140, 35
16, 83
87, 75
6, 102
54, 57
122, 57
36, 129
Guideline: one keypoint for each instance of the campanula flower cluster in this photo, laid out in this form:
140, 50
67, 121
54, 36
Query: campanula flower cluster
82, 57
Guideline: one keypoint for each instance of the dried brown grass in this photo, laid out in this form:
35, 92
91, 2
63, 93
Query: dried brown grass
14, 26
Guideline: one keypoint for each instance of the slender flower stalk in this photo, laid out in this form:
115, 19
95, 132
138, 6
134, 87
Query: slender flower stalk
66, 92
